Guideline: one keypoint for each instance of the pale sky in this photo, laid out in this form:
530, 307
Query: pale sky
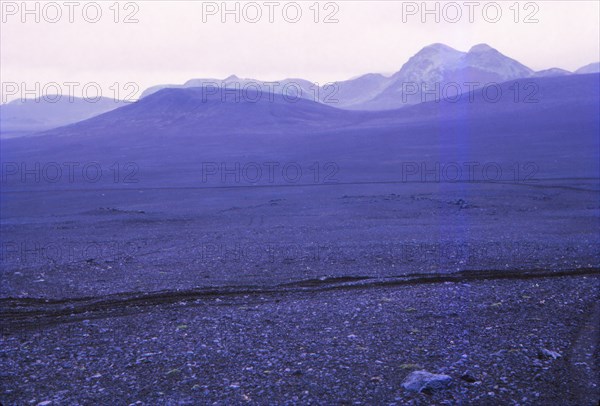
171, 43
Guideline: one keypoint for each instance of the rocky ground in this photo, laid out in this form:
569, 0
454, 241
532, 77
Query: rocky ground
97, 243
302, 295
501, 341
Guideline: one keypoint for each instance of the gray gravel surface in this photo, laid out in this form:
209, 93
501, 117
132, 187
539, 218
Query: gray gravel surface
75, 244
342, 346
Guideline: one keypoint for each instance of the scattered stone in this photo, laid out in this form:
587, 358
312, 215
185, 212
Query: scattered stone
467, 377
549, 354
417, 381
173, 372
411, 366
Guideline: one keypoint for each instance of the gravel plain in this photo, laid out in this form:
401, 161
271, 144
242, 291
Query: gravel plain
502, 341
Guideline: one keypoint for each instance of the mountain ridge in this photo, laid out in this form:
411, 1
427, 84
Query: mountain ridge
434, 63
435, 72
196, 110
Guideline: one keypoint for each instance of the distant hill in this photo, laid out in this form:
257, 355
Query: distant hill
551, 72
170, 133
24, 117
291, 88
197, 111
436, 71
591, 68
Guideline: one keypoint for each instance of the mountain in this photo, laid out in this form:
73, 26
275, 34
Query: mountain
545, 101
435, 72
354, 91
24, 117
591, 68
556, 126
199, 110
291, 88
156, 88
551, 72
439, 70
170, 135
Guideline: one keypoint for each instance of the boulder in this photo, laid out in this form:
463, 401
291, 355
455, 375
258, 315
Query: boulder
417, 381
